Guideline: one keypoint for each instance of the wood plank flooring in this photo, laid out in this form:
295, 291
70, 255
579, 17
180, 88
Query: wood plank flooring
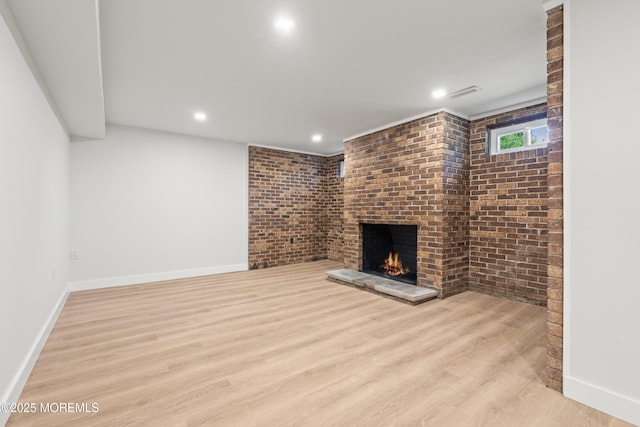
284, 346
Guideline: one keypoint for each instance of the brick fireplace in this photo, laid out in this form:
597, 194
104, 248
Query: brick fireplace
481, 219
415, 173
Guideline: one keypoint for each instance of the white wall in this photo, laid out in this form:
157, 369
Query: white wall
602, 179
34, 154
149, 206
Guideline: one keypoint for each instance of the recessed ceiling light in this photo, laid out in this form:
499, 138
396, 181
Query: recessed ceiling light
316, 138
439, 93
199, 116
284, 24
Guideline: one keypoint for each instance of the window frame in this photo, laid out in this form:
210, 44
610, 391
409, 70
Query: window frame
525, 125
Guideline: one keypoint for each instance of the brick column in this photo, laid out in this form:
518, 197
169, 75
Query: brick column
555, 56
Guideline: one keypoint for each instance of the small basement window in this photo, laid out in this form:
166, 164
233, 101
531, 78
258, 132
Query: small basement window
526, 135
340, 170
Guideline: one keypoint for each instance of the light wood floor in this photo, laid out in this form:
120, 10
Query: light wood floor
284, 346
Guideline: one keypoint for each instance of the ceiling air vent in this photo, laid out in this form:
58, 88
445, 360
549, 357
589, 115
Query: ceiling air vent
465, 91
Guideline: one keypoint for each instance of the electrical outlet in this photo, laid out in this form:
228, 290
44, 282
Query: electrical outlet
74, 254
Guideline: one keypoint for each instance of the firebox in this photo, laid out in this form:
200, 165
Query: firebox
390, 250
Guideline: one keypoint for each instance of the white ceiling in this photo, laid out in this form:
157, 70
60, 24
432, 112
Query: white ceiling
348, 66
63, 40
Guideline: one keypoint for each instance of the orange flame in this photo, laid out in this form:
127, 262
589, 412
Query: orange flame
393, 265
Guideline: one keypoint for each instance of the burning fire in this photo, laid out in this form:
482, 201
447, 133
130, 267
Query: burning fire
393, 265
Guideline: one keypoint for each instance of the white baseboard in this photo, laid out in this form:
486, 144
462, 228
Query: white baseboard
111, 282
13, 392
603, 400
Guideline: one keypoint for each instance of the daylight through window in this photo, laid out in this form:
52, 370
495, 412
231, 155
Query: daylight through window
519, 137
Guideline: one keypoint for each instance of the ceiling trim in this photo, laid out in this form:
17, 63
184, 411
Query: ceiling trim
509, 108
28, 58
335, 154
406, 120
506, 109
291, 150
550, 4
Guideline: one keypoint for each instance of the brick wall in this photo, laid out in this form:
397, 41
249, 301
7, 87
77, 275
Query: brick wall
555, 56
412, 173
295, 208
335, 208
455, 188
287, 208
508, 216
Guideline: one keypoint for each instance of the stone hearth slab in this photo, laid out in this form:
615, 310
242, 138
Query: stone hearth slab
407, 293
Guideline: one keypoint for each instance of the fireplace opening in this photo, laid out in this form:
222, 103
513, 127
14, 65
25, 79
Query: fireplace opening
390, 251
